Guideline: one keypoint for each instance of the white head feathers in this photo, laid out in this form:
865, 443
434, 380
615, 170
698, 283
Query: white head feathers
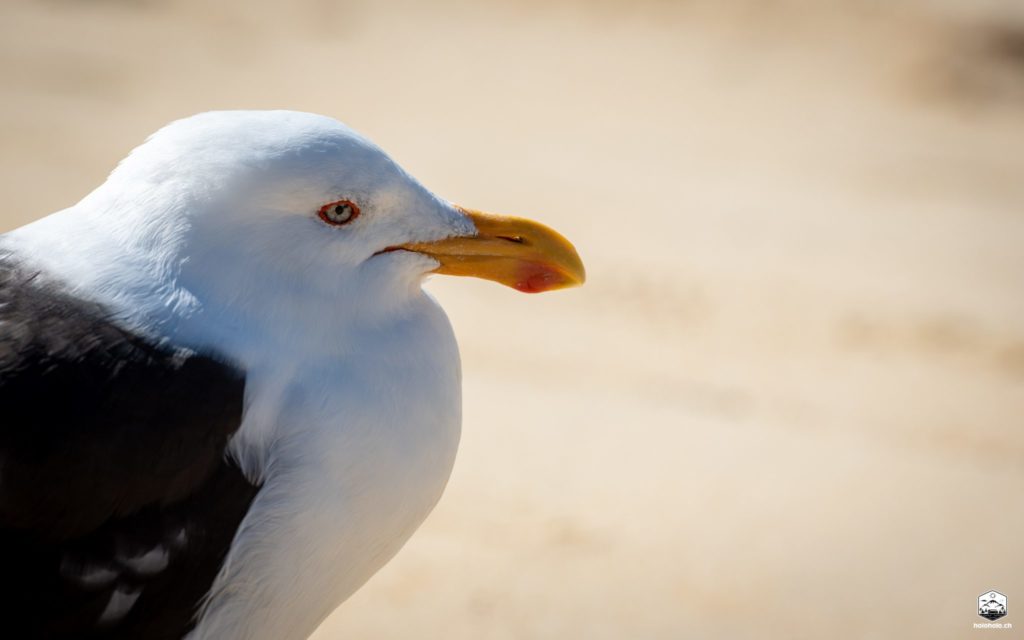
221, 209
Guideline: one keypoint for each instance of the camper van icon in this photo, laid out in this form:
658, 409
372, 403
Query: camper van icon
992, 605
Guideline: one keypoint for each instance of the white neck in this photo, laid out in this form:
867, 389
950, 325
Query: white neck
355, 452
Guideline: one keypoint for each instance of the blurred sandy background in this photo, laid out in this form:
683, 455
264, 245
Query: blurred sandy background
789, 402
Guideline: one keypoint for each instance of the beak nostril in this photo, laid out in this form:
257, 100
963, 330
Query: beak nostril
515, 239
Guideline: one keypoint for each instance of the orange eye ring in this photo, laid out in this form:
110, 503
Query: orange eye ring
339, 212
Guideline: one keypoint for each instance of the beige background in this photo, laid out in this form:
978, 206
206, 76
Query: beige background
789, 402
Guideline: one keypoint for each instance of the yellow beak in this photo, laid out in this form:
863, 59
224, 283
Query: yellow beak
516, 252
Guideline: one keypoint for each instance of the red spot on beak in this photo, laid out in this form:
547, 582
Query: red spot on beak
538, 278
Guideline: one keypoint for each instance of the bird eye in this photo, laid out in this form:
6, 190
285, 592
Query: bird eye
339, 212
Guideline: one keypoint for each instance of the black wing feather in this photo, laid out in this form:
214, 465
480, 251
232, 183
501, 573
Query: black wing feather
111, 448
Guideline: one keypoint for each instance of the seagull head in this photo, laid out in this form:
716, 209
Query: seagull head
232, 202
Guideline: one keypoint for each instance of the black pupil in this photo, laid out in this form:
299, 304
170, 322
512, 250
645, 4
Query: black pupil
342, 211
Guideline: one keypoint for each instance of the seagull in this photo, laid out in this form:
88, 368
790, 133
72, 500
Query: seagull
226, 399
